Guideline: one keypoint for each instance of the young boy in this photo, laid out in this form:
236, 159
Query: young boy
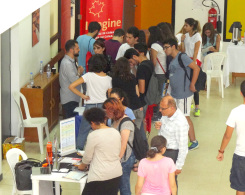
132, 36
236, 121
182, 91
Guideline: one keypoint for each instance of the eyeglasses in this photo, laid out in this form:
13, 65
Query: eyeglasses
166, 47
163, 108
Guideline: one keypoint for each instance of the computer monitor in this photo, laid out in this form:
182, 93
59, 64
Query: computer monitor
67, 136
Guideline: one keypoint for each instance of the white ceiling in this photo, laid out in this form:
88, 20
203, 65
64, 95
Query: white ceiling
13, 11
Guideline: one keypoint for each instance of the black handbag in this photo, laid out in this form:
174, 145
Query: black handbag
23, 171
202, 77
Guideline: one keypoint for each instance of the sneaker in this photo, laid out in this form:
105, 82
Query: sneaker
197, 112
193, 145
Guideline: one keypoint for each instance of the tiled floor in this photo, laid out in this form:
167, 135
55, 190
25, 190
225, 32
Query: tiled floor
202, 174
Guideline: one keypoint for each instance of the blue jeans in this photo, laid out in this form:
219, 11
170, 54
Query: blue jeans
125, 178
142, 129
85, 128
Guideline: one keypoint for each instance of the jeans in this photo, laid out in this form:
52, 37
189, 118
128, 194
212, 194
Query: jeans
142, 129
139, 115
85, 128
125, 178
68, 109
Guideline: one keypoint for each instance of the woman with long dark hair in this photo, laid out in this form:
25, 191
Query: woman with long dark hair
158, 56
122, 78
99, 48
167, 30
191, 44
210, 39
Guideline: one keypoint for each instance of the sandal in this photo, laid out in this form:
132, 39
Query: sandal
135, 167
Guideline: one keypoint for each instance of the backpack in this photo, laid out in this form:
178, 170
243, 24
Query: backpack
88, 56
201, 80
140, 146
23, 171
152, 95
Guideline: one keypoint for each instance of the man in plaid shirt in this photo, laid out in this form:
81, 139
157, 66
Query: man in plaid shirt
174, 127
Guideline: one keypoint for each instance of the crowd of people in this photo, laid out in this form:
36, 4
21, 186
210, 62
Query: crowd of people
112, 78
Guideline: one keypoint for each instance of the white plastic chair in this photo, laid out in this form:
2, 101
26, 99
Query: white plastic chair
38, 122
12, 158
214, 62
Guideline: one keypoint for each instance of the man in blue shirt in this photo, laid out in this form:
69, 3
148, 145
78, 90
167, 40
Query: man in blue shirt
182, 88
86, 42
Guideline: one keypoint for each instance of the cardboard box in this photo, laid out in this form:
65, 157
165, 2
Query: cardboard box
7, 145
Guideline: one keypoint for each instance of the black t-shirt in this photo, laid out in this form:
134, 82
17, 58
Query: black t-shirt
144, 72
129, 87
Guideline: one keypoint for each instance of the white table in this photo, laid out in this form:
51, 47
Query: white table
236, 60
56, 177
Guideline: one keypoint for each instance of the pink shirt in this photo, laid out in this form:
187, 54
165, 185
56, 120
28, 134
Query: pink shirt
156, 175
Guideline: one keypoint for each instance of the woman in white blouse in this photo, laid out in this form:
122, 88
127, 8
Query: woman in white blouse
191, 44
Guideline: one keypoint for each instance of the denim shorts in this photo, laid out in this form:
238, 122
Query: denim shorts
237, 176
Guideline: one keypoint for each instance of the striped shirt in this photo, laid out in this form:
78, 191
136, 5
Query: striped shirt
175, 130
67, 75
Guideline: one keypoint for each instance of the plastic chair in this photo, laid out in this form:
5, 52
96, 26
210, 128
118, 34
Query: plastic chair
38, 122
214, 62
12, 158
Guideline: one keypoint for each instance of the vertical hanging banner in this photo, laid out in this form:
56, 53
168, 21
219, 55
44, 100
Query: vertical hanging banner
108, 13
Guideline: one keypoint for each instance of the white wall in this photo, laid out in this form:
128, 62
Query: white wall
189, 9
24, 57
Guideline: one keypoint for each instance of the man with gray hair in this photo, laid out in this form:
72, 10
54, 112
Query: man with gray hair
174, 127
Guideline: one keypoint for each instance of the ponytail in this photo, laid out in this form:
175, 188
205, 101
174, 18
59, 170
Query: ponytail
157, 144
152, 152
194, 23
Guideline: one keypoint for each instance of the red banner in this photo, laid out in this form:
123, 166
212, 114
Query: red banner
108, 13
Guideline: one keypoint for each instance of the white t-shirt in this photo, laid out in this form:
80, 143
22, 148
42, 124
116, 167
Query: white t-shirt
97, 87
123, 48
161, 55
237, 120
190, 45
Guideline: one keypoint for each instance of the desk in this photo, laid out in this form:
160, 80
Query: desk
236, 60
57, 177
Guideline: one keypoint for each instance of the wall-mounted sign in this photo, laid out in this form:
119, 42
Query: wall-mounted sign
107, 12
